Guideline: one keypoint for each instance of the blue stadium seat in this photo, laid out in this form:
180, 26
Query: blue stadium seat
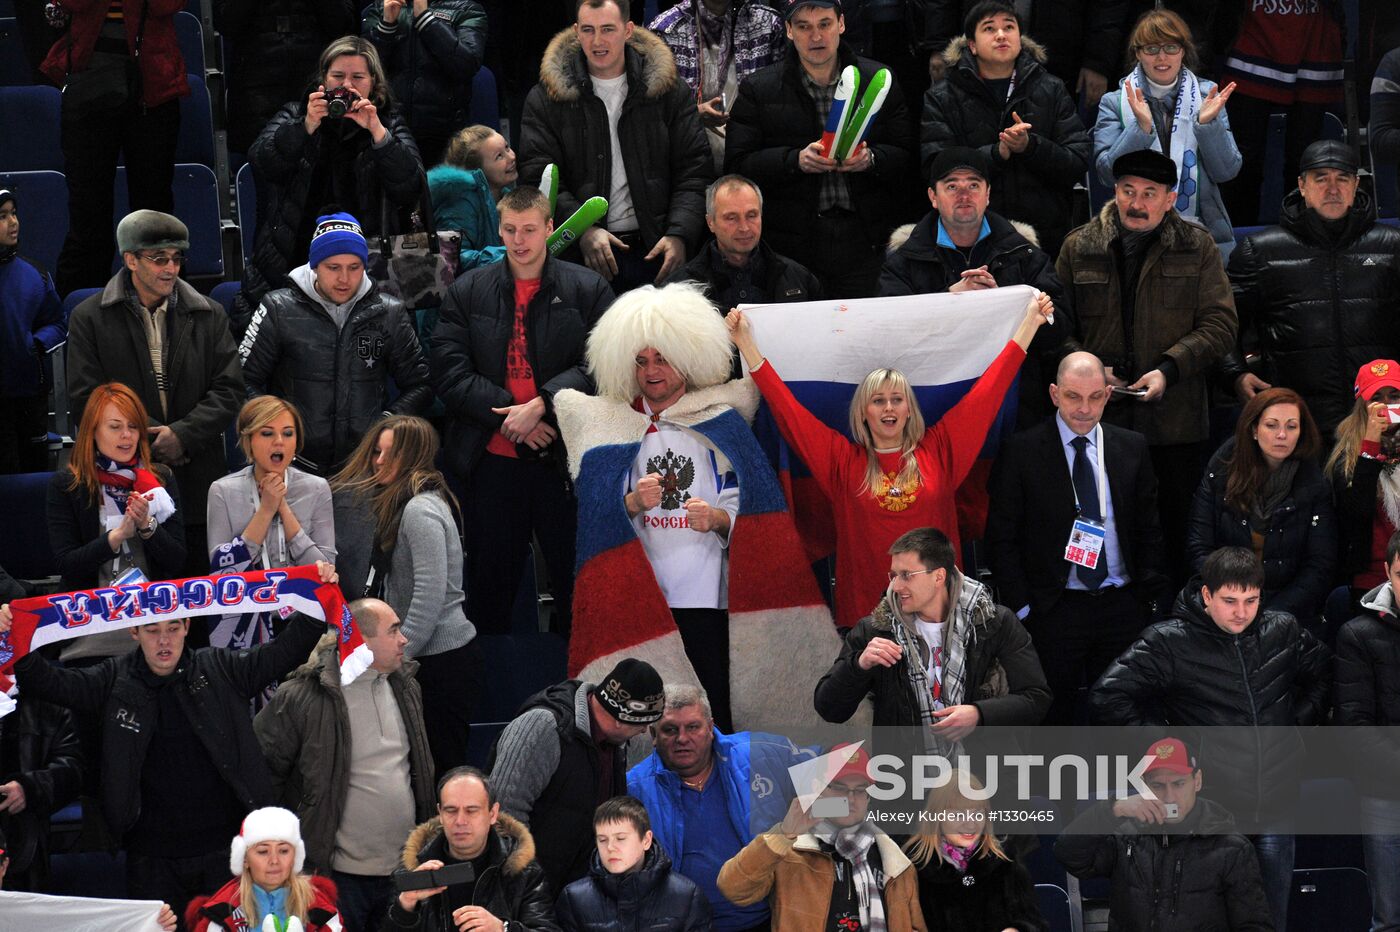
74, 298
1055, 907
1272, 190
522, 665
1387, 197
224, 293
189, 33
196, 142
245, 196
43, 230
1332, 127
89, 873
26, 556
197, 204
14, 65
29, 128
486, 107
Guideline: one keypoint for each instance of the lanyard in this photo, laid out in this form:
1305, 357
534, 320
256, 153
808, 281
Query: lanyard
1102, 484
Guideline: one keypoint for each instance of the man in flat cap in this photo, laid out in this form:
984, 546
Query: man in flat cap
1327, 260
1152, 301
565, 752
171, 345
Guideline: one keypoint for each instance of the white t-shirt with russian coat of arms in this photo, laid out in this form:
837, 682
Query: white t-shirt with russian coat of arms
692, 568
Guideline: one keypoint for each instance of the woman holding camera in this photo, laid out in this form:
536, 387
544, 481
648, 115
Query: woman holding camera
344, 145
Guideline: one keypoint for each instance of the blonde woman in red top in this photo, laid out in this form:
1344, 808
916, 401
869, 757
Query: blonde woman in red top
899, 473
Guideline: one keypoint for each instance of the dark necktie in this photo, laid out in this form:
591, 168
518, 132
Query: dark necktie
1088, 491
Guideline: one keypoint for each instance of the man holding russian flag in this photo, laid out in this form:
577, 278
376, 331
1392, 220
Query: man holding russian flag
181, 766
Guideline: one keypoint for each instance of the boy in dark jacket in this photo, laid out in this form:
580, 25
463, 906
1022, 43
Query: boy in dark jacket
1176, 862
999, 98
630, 884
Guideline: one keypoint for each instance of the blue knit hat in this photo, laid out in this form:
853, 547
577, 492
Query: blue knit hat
337, 235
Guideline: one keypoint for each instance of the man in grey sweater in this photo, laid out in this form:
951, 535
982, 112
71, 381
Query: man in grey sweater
565, 752
353, 762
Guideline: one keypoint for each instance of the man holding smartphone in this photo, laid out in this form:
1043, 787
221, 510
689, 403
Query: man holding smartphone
487, 859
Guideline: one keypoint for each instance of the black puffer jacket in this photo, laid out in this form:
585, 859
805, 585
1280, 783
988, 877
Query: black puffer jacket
993, 894
213, 686
920, 266
39, 749
1367, 672
651, 897
299, 176
1357, 501
513, 888
431, 62
775, 118
787, 281
1186, 671
666, 157
469, 347
272, 46
1203, 877
1037, 185
1319, 308
1300, 547
1003, 676
338, 377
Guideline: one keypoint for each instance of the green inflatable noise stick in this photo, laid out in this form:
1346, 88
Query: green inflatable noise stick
870, 103
564, 235
549, 184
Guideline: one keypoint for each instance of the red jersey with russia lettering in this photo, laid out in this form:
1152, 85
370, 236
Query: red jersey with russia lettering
520, 378
1286, 51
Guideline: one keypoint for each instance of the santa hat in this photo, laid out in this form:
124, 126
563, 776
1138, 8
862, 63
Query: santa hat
272, 823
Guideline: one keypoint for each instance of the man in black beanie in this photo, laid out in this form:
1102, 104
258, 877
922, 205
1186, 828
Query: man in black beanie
565, 752
1152, 301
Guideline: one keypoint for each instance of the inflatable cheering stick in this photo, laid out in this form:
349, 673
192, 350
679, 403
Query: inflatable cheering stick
859, 121
840, 109
272, 924
564, 236
549, 184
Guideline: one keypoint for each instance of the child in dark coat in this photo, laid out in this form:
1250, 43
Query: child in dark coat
967, 882
630, 884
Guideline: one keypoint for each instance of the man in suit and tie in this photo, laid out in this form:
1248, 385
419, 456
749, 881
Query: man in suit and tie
1073, 533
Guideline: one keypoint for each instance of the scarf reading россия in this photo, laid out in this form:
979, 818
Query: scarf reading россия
48, 619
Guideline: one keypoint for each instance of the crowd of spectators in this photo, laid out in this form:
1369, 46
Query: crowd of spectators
1210, 420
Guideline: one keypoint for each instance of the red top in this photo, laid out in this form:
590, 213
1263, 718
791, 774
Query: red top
162, 66
868, 522
520, 378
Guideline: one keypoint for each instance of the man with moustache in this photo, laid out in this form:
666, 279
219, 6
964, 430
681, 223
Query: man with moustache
1152, 302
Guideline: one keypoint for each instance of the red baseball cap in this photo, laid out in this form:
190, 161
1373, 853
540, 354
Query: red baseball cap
1170, 754
1375, 375
855, 764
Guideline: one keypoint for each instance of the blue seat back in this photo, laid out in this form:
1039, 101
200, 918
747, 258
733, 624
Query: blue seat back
14, 64
195, 144
189, 33
29, 128
245, 195
42, 231
22, 501
486, 106
197, 204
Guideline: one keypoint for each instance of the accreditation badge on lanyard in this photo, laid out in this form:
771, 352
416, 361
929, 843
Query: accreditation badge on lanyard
1087, 535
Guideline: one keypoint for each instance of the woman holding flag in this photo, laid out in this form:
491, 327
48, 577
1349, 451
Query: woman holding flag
898, 473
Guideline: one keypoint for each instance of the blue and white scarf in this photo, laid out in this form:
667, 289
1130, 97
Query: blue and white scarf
1183, 144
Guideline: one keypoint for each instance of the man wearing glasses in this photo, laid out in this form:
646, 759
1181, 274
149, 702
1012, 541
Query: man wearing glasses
151, 331
937, 652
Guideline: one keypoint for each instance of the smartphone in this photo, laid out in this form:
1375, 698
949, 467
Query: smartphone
1173, 811
1393, 413
442, 877
830, 807
1130, 392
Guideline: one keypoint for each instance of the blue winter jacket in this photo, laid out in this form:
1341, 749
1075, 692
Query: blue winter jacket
31, 324
462, 202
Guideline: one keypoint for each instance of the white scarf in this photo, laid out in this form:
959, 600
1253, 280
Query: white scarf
1184, 152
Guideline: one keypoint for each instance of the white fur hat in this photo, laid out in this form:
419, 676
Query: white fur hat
272, 823
678, 321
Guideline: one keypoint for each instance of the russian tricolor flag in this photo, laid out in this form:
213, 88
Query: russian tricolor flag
824, 349
781, 637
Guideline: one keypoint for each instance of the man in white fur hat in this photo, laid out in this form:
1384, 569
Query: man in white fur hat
659, 458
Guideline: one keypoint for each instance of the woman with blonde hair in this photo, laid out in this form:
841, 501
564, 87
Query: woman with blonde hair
477, 170
966, 880
898, 473
268, 514
1364, 479
266, 860
404, 521
113, 514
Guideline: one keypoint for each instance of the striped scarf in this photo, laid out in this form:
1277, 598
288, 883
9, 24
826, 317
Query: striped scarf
853, 842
